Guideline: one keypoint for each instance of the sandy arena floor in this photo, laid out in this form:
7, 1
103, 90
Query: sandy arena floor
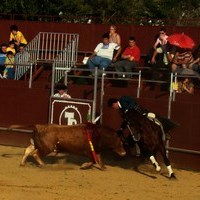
61, 179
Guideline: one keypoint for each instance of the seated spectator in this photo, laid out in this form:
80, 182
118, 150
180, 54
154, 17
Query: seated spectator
167, 52
11, 47
2, 58
61, 91
17, 36
103, 54
129, 58
182, 60
186, 85
9, 66
22, 56
195, 65
114, 36
159, 68
161, 39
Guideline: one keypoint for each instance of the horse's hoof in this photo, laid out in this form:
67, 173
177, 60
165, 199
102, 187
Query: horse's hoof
158, 168
172, 176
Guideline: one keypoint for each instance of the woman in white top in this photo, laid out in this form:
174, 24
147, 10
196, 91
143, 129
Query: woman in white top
162, 38
114, 36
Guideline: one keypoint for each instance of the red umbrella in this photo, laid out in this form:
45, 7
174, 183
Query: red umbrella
181, 40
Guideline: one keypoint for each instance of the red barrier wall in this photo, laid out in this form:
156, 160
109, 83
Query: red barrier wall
30, 106
90, 34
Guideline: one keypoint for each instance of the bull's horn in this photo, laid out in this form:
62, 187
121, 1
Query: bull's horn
97, 118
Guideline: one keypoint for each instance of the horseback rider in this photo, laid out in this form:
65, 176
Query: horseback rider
126, 103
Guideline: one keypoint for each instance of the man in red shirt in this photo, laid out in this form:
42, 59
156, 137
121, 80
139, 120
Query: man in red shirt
130, 57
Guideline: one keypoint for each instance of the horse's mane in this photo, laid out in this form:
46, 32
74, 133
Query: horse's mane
140, 122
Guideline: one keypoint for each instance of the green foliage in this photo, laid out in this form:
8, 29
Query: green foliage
108, 11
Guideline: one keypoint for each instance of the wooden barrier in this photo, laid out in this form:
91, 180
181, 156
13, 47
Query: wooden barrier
20, 105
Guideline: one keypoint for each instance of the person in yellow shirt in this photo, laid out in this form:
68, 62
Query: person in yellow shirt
11, 47
17, 36
9, 71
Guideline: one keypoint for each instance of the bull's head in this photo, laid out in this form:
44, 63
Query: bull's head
110, 140
119, 149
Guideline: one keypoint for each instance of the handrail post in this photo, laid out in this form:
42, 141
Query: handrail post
102, 94
139, 84
95, 95
175, 83
31, 76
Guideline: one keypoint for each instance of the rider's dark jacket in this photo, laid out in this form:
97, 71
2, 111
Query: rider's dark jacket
127, 103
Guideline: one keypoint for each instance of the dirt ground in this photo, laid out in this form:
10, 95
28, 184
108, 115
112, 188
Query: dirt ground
61, 179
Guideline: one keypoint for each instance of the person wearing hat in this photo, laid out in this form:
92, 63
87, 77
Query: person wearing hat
61, 91
126, 103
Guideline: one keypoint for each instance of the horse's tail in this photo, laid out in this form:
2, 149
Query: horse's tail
168, 124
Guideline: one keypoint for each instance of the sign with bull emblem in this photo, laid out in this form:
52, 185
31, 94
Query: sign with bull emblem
69, 112
70, 116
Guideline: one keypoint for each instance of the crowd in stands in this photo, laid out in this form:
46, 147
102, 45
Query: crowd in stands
163, 57
8, 51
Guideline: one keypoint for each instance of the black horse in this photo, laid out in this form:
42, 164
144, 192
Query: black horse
150, 137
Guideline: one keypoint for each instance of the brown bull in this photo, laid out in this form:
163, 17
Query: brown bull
73, 139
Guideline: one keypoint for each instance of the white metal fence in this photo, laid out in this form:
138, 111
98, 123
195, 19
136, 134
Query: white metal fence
59, 49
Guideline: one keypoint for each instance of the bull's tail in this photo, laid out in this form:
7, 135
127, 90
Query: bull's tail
32, 141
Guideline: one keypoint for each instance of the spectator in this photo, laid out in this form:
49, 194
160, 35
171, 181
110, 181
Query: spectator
17, 36
184, 85
103, 54
161, 67
11, 47
162, 38
9, 66
22, 56
2, 58
157, 53
167, 52
182, 59
61, 91
127, 104
195, 65
114, 36
130, 57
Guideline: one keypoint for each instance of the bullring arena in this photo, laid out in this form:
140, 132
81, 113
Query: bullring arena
61, 178
28, 101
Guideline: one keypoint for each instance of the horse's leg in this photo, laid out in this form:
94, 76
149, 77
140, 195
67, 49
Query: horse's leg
150, 155
167, 162
155, 163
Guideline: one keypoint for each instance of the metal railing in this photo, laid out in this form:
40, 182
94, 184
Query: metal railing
65, 60
58, 49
